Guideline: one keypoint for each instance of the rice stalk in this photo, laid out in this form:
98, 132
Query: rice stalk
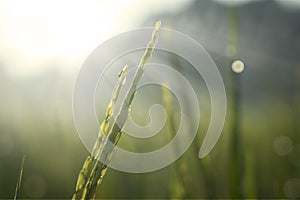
18, 186
93, 171
91, 160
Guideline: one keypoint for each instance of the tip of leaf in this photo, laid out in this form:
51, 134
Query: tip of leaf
123, 71
158, 24
125, 68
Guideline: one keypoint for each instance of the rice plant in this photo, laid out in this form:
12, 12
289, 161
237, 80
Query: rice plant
93, 171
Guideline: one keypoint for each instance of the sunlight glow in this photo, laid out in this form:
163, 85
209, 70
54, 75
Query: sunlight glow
37, 31
34, 34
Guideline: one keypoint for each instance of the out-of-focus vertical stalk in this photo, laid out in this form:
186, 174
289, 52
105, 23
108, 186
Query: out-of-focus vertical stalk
243, 173
203, 171
236, 147
250, 175
176, 185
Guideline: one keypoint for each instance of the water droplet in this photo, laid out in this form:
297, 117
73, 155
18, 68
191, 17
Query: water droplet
238, 66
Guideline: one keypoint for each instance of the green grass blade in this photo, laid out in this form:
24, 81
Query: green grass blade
18, 186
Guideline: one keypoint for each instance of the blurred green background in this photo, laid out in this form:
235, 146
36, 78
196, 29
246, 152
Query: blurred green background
42, 46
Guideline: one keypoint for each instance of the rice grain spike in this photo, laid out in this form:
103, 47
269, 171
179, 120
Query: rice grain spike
115, 131
91, 159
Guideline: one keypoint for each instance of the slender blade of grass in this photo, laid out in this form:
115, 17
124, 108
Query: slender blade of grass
18, 186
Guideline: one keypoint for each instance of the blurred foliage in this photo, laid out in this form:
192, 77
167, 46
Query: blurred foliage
36, 117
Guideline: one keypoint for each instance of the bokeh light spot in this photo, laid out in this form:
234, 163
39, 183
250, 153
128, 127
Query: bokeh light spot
291, 188
282, 145
238, 66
